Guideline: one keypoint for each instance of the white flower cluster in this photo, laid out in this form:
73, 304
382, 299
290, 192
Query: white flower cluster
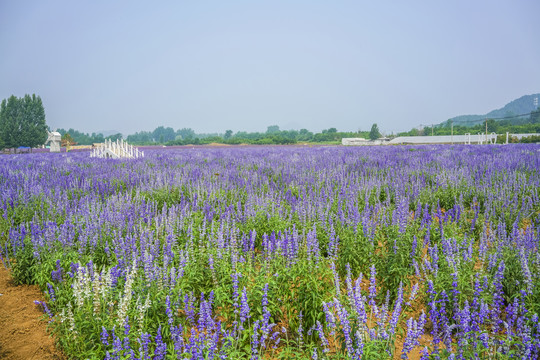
101, 286
96, 290
126, 299
82, 287
141, 310
68, 316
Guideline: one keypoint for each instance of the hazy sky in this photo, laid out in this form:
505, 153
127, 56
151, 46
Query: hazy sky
244, 65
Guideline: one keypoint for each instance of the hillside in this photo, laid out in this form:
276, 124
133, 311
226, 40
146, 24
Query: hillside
523, 105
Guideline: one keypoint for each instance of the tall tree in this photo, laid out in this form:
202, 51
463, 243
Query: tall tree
22, 121
272, 129
374, 134
10, 115
35, 127
186, 133
114, 137
140, 137
535, 116
163, 134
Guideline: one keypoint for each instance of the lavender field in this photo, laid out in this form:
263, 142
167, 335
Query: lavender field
281, 252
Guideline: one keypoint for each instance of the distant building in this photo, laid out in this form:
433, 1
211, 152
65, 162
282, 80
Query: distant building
362, 141
354, 141
446, 139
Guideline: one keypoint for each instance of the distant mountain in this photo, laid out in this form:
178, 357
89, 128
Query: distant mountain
523, 105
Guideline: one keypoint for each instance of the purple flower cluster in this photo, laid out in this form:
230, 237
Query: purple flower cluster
136, 242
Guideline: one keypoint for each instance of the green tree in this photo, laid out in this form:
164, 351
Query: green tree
305, 135
228, 134
82, 138
163, 134
67, 140
35, 128
9, 117
114, 137
140, 137
535, 116
492, 126
272, 129
22, 121
374, 134
186, 133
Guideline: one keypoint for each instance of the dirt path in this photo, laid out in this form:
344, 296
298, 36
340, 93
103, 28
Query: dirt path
23, 335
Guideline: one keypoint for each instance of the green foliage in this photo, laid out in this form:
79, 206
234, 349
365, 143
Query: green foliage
115, 137
535, 116
530, 139
24, 267
162, 134
142, 137
296, 285
273, 136
166, 196
82, 138
374, 133
272, 129
513, 125
22, 122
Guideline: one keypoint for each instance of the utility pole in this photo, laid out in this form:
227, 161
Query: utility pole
431, 129
486, 133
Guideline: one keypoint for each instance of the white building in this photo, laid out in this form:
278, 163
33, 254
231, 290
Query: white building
354, 141
54, 138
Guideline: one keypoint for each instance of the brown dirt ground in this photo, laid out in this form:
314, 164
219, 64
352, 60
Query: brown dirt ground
23, 333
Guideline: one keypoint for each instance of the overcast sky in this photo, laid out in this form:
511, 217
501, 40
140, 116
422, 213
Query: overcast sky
244, 65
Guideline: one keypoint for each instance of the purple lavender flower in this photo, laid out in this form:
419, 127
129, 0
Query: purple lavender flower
372, 286
168, 310
144, 347
104, 336
415, 329
57, 274
161, 347
412, 295
46, 309
244, 307
255, 341
51, 292
320, 332
397, 310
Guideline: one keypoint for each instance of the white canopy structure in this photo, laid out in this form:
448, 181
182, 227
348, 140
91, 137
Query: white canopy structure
438, 139
447, 139
116, 150
354, 141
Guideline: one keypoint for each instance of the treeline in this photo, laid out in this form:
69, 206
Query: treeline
187, 136
80, 138
273, 135
517, 125
22, 122
163, 135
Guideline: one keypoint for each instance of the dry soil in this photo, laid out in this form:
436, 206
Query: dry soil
23, 332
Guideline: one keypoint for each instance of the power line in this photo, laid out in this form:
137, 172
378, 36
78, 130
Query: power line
509, 117
483, 118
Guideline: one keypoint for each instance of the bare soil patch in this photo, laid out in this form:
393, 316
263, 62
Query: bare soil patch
23, 333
